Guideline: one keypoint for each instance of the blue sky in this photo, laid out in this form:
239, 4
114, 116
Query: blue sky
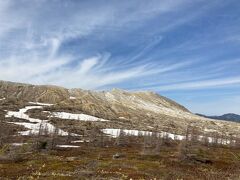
186, 50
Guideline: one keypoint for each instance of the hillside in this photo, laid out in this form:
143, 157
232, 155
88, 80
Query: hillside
129, 110
51, 132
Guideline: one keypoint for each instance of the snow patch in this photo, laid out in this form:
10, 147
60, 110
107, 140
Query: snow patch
71, 97
80, 141
80, 117
67, 146
18, 144
122, 118
41, 104
35, 125
116, 133
210, 130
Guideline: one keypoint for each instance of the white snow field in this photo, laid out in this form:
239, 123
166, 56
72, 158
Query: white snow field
18, 144
67, 146
116, 133
80, 141
80, 117
34, 125
41, 104
60, 146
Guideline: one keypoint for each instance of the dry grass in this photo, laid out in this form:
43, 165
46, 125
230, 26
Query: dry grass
89, 162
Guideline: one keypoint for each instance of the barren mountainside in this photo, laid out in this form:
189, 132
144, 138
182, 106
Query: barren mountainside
116, 98
29, 92
142, 110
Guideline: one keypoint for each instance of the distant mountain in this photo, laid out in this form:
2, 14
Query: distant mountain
227, 117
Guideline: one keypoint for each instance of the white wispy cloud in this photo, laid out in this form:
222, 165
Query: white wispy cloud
212, 83
159, 45
91, 74
31, 37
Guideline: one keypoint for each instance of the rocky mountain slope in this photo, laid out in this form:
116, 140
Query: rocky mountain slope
29, 92
141, 110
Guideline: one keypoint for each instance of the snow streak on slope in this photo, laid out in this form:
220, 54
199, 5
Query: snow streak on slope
35, 125
80, 117
41, 104
116, 133
67, 146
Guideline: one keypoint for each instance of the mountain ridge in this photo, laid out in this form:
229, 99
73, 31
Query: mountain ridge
24, 90
227, 117
136, 109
